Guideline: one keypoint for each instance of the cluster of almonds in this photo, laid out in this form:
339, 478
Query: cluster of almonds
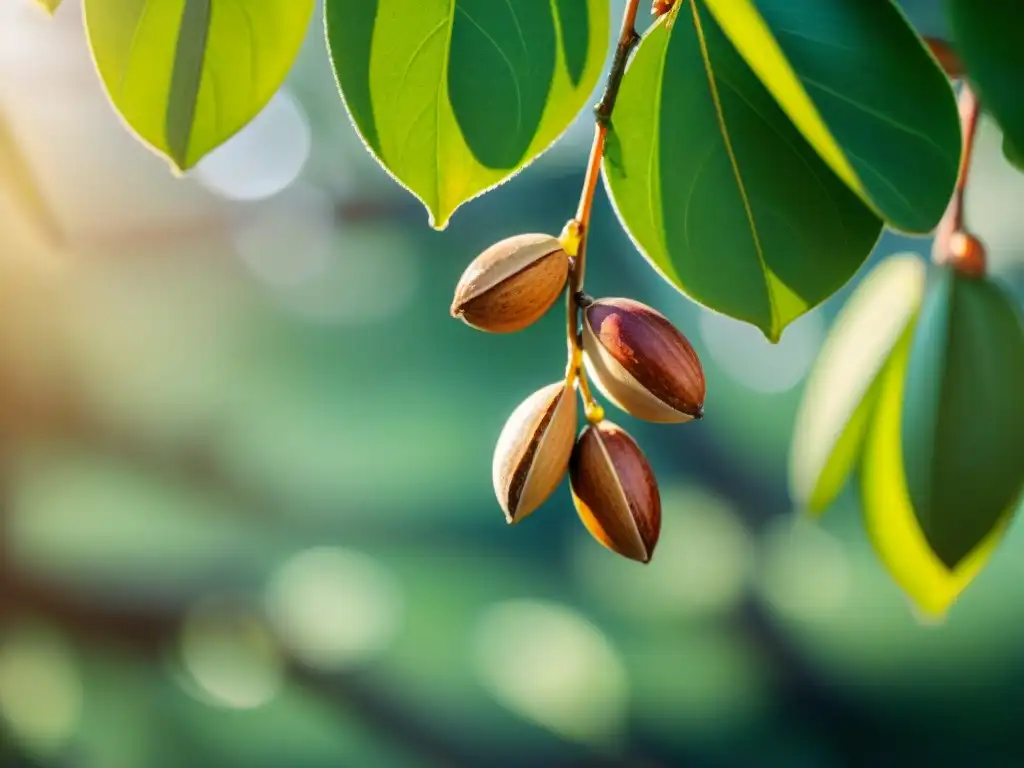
635, 357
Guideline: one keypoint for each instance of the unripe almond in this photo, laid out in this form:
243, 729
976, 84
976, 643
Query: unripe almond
533, 450
512, 284
615, 492
641, 362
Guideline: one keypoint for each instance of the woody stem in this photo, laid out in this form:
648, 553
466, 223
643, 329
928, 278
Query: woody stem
576, 232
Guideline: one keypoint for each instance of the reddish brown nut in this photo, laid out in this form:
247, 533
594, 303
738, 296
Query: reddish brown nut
615, 491
660, 7
967, 254
533, 451
641, 362
511, 284
946, 56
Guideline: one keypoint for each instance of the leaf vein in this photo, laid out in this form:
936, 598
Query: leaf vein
727, 141
796, 153
508, 63
880, 116
131, 48
519, 28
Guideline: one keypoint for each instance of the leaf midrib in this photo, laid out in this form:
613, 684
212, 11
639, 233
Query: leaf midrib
186, 78
727, 142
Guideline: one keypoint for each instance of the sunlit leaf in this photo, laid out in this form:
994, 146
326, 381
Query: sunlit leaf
890, 521
857, 81
187, 75
842, 388
454, 96
963, 416
49, 5
988, 38
717, 187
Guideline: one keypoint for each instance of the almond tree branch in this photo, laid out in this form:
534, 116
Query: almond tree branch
575, 235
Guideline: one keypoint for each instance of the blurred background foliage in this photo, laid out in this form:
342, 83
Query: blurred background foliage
247, 516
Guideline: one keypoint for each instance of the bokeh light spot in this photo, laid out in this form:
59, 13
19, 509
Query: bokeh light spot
548, 664
743, 352
230, 655
263, 158
371, 276
804, 571
40, 689
334, 608
290, 242
700, 568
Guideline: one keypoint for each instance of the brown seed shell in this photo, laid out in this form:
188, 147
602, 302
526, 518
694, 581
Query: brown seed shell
512, 284
532, 454
641, 362
615, 491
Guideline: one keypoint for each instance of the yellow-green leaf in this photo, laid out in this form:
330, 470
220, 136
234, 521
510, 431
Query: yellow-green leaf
452, 97
49, 5
841, 390
859, 83
187, 75
890, 520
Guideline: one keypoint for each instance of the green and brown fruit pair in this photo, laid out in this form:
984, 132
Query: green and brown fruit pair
634, 356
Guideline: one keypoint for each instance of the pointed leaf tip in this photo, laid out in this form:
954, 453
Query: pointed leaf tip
964, 470
170, 98
743, 230
487, 86
888, 515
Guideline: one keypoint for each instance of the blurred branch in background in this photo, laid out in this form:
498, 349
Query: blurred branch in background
246, 383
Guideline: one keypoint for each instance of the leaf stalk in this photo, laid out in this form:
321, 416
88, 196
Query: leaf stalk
954, 245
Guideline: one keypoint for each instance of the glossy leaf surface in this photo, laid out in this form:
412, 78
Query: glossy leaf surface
719, 189
857, 80
988, 38
454, 96
963, 417
186, 75
889, 517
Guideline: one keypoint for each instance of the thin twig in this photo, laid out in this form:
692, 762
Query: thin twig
576, 232
953, 244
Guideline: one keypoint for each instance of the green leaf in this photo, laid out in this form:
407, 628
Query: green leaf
963, 418
889, 518
987, 36
453, 97
49, 5
187, 75
858, 82
842, 388
719, 190
888, 515
1013, 154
